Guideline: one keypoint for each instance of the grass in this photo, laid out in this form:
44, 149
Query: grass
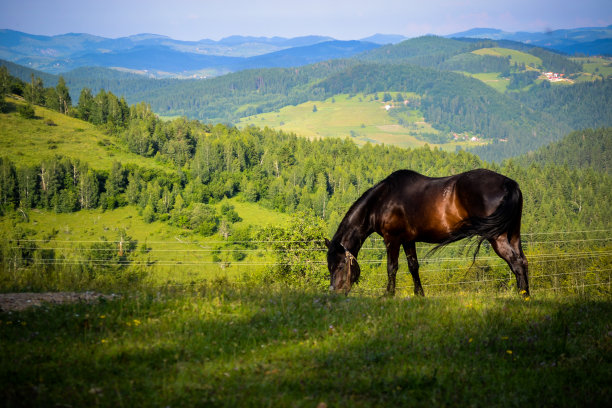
494, 80
169, 254
232, 345
516, 57
28, 141
594, 68
359, 117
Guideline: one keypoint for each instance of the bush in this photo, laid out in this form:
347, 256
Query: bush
26, 111
299, 253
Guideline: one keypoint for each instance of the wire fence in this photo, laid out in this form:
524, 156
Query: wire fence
578, 254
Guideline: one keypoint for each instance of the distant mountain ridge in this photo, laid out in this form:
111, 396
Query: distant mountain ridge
571, 41
161, 56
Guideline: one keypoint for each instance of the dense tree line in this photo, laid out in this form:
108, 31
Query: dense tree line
589, 148
580, 106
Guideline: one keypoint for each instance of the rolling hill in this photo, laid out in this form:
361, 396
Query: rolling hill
506, 106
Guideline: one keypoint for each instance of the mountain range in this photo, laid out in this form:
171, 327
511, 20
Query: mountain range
160, 56
586, 40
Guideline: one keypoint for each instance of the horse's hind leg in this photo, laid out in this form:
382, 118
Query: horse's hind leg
413, 265
512, 252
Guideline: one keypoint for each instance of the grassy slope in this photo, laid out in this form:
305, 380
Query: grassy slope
516, 57
493, 79
166, 253
594, 68
341, 115
234, 346
28, 141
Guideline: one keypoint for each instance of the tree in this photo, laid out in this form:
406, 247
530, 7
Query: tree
5, 87
34, 91
297, 251
87, 189
9, 193
85, 106
63, 95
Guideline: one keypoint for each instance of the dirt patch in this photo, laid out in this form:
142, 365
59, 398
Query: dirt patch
22, 301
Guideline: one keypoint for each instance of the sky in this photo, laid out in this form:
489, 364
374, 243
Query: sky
342, 19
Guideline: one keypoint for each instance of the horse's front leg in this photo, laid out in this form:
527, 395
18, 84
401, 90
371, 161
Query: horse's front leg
392, 265
413, 265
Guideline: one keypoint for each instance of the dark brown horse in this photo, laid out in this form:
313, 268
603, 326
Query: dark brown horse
407, 207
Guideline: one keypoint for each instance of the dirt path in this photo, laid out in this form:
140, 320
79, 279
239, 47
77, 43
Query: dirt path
22, 301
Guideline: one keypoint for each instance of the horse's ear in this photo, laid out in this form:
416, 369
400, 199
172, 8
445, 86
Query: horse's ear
327, 243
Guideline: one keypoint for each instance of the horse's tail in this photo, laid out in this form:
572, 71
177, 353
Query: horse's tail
505, 219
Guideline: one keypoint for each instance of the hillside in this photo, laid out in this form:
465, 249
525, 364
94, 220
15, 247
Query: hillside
31, 141
150, 163
363, 118
573, 40
581, 149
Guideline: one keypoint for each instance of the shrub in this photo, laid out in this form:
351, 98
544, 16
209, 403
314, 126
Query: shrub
298, 251
26, 111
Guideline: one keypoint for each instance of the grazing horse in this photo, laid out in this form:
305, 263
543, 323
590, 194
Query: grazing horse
407, 207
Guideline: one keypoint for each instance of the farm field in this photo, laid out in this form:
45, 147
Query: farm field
360, 118
222, 344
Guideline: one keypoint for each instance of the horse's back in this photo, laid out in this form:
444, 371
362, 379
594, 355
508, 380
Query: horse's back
429, 208
481, 191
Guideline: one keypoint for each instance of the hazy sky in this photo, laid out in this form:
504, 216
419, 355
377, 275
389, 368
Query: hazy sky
341, 19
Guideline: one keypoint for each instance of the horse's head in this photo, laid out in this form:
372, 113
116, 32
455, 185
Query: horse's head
343, 267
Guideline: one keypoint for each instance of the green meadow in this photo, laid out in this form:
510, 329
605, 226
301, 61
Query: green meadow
516, 57
362, 118
163, 254
51, 133
221, 344
594, 68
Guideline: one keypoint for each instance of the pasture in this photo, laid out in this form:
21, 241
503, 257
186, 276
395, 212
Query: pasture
228, 344
516, 57
359, 117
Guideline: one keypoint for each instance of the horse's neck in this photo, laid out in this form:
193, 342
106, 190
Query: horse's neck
354, 230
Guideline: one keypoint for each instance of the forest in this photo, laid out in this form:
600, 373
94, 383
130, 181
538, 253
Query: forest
278, 170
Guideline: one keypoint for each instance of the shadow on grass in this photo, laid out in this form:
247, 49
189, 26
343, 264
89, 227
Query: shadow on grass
283, 348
